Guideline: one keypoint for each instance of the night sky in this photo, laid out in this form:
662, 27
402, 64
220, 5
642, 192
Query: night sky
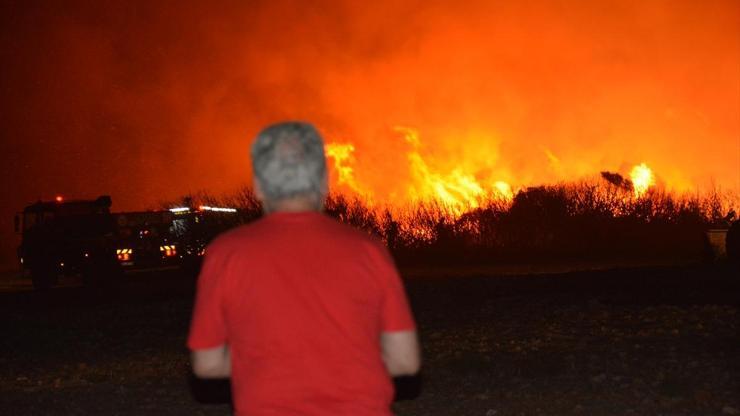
149, 100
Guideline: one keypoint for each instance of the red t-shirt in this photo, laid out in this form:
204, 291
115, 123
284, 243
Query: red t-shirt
301, 300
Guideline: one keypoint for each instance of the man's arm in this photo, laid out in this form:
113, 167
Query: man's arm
208, 327
401, 352
212, 362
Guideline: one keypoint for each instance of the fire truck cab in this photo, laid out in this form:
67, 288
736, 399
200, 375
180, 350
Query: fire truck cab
67, 237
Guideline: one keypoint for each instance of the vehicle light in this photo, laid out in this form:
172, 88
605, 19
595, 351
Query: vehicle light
168, 250
124, 254
216, 209
179, 210
59, 198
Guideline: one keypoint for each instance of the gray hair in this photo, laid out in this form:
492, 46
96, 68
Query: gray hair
288, 160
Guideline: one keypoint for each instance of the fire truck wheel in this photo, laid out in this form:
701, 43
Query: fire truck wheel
43, 276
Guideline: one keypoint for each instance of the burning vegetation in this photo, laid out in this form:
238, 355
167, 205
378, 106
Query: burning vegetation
465, 187
428, 206
589, 220
640, 181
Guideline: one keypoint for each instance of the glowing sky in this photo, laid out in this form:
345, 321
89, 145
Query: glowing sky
149, 101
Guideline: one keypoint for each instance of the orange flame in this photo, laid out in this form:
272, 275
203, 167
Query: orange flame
642, 179
342, 154
457, 190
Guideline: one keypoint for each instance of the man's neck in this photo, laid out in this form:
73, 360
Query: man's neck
295, 204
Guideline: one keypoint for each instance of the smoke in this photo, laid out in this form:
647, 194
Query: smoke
150, 100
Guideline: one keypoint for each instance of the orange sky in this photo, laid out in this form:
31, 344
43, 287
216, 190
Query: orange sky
151, 101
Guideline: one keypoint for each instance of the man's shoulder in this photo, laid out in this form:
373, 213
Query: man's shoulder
349, 233
232, 239
259, 232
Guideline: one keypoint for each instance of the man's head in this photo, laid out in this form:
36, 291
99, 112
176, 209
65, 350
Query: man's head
290, 167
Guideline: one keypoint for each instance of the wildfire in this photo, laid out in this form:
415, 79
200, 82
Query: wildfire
457, 190
504, 190
343, 156
642, 179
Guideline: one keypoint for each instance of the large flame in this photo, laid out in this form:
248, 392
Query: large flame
458, 189
642, 179
343, 156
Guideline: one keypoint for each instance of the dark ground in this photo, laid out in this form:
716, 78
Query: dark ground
643, 341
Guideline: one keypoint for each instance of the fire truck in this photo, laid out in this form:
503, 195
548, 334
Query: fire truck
67, 237
84, 237
175, 237
195, 227
144, 240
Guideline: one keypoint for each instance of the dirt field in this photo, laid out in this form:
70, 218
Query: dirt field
645, 341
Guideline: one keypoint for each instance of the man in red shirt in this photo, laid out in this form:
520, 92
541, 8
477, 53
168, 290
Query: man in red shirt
306, 315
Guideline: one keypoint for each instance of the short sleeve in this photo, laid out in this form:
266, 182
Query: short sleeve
208, 328
395, 311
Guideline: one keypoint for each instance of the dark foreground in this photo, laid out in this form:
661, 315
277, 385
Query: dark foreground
640, 341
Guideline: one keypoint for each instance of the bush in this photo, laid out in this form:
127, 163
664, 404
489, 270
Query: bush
578, 220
